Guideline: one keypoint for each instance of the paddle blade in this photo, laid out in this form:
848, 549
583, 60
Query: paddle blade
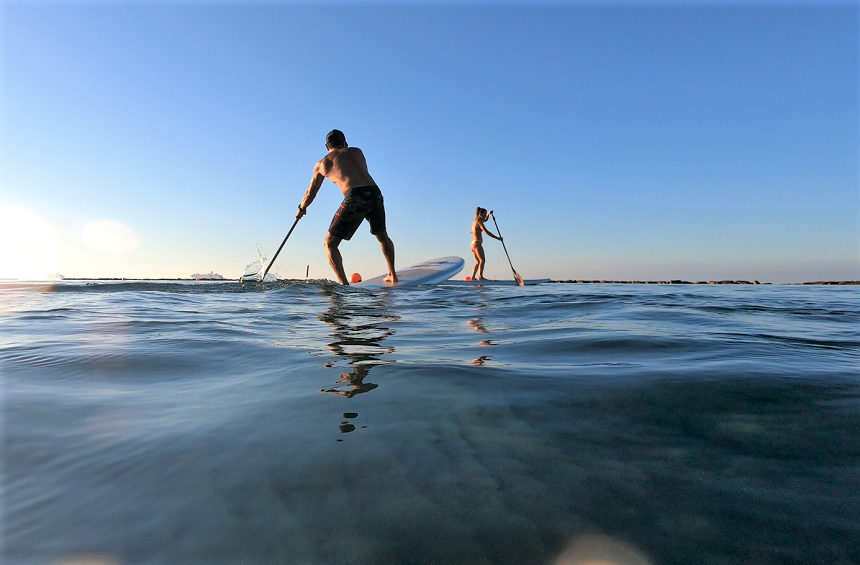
519, 279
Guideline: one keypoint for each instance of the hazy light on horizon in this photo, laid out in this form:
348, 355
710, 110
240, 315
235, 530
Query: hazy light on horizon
109, 237
28, 245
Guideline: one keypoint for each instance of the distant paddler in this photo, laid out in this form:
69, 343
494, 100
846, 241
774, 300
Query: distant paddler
362, 200
477, 245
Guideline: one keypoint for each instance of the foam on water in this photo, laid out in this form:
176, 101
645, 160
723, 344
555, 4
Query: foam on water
303, 422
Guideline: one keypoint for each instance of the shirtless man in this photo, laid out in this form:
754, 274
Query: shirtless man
346, 167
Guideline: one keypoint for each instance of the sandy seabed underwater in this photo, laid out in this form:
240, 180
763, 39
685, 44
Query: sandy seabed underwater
302, 422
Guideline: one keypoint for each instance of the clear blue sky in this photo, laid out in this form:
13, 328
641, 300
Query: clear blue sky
636, 140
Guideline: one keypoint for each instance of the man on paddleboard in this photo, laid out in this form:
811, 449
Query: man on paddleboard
362, 200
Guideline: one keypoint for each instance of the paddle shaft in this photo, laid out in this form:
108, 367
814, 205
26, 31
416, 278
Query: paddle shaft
517, 276
272, 262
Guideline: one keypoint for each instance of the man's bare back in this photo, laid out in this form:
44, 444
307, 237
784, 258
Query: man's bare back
345, 167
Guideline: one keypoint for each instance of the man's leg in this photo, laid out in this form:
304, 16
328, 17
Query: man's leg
388, 252
334, 258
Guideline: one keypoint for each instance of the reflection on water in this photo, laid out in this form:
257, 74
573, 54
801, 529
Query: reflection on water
479, 326
478, 361
350, 384
357, 320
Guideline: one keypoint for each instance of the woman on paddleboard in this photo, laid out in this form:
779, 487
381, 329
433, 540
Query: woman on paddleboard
477, 246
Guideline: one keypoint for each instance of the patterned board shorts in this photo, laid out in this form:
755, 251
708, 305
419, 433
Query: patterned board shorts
359, 203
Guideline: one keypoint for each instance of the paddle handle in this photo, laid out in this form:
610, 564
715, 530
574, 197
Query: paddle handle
517, 276
272, 262
503, 241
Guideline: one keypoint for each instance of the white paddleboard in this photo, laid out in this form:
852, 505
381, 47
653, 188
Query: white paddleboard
494, 283
433, 271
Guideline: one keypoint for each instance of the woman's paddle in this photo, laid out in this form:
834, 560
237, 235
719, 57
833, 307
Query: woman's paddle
272, 262
517, 276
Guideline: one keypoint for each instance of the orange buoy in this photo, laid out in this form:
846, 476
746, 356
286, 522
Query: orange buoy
355, 278
468, 278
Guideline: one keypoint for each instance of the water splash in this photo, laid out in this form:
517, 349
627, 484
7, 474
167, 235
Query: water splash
254, 271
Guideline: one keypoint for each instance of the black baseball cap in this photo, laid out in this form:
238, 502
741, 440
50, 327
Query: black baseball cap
335, 138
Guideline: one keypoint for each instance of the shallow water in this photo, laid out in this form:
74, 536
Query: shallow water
300, 422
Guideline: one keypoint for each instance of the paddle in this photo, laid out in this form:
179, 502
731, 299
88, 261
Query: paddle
272, 262
517, 277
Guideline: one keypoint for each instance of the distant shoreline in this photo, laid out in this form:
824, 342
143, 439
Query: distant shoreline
567, 281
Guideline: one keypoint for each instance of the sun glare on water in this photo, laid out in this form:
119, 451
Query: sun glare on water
28, 245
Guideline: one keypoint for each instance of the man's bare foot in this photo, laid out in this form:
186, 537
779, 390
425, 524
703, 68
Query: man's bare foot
482, 279
391, 278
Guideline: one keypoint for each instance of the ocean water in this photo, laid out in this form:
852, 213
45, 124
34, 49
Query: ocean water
301, 422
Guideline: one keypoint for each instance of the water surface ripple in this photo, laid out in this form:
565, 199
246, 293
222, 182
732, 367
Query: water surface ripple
302, 422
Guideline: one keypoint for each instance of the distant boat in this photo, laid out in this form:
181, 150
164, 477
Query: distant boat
210, 276
55, 277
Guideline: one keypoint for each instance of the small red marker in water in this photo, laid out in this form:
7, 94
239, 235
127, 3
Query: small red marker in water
355, 278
